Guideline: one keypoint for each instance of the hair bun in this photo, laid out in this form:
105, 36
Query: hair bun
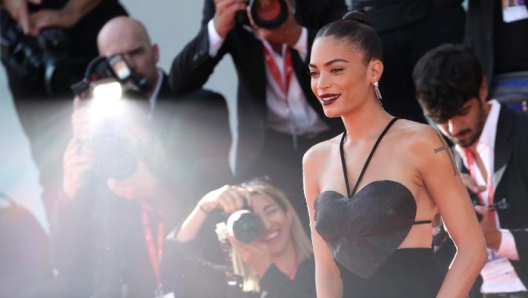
359, 16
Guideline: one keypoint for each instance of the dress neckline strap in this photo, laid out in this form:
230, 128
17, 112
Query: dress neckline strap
343, 162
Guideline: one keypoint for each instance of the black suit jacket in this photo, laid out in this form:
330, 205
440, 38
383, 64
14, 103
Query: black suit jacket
193, 66
510, 178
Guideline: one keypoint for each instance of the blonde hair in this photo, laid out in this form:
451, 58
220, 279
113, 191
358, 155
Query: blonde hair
301, 242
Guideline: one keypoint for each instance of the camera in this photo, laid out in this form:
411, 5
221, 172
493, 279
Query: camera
267, 14
42, 59
103, 70
245, 225
115, 155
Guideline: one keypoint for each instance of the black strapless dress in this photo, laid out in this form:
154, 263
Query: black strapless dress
364, 231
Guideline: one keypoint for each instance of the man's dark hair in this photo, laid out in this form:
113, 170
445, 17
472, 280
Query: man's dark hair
446, 78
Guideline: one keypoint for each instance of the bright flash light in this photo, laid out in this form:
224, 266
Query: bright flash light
110, 91
106, 97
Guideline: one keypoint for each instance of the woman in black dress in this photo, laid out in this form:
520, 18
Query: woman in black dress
373, 191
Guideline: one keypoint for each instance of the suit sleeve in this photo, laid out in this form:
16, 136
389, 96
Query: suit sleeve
277, 284
192, 67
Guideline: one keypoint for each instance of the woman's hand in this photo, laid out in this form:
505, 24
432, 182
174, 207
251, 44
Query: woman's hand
255, 254
229, 198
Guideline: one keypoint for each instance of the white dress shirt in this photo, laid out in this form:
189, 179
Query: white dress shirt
294, 115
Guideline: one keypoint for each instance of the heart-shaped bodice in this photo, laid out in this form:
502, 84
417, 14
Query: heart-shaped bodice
364, 230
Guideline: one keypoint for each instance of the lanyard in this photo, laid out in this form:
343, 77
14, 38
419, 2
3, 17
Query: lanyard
155, 257
284, 85
489, 184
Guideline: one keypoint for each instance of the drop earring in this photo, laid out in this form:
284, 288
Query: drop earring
376, 89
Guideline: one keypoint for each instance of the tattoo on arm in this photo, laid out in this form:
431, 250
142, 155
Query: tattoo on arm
448, 151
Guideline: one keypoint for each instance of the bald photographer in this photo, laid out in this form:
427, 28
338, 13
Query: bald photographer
138, 153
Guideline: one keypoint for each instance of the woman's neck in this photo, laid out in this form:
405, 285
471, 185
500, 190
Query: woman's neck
286, 260
365, 121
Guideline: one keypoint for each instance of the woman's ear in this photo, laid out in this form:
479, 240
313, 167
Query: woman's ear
375, 69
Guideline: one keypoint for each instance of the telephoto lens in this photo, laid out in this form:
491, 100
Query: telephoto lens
245, 225
269, 14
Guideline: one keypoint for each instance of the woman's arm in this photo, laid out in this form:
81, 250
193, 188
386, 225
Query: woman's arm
228, 198
442, 180
327, 276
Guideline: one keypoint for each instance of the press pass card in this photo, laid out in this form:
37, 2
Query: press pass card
514, 10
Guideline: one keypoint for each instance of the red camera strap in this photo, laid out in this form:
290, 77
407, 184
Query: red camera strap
283, 84
155, 256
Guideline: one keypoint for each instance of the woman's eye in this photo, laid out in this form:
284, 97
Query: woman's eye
312, 73
336, 70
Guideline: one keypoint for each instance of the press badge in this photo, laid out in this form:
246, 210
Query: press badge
514, 10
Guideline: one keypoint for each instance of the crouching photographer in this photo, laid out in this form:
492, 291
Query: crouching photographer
263, 247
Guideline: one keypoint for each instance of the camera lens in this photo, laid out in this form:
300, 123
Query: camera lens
245, 225
269, 14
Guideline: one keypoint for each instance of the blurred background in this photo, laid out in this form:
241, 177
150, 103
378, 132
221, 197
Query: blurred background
171, 24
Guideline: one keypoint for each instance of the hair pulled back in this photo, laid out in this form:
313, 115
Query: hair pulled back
355, 28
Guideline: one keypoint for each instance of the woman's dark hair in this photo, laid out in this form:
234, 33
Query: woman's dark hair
355, 29
446, 78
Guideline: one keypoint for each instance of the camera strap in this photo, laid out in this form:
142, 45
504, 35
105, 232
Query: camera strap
155, 256
284, 84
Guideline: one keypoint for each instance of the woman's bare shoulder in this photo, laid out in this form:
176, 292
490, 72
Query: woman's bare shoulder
319, 152
416, 137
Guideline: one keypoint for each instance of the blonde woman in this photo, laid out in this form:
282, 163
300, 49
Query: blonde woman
280, 262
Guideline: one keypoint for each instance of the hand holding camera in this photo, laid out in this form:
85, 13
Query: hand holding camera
255, 254
18, 9
229, 198
226, 10
77, 161
273, 20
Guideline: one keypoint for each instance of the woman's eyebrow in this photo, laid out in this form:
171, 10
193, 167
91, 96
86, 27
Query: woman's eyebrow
330, 62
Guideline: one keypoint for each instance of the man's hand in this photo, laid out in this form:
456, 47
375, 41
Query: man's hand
47, 18
78, 159
224, 18
488, 226
18, 9
142, 184
288, 33
471, 184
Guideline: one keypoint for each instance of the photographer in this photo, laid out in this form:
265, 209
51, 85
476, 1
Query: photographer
279, 117
125, 170
278, 263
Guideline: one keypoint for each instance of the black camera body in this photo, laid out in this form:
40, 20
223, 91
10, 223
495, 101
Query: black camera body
43, 59
115, 155
265, 14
